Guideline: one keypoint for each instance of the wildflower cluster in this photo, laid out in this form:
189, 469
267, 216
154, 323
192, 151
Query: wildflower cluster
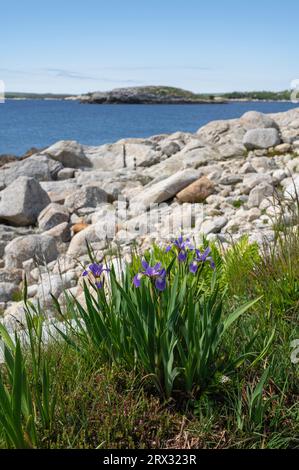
157, 274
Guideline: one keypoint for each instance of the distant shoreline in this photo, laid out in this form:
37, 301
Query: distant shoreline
227, 101
157, 94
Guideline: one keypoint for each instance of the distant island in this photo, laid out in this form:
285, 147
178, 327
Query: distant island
156, 95
149, 95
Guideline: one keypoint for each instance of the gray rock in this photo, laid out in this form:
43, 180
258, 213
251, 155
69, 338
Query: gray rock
87, 196
7, 289
61, 233
293, 166
52, 215
213, 225
65, 174
230, 179
256, 120
253, 214
12, 276
253, 179
40, 167
170, 149
32, 291
259, 193
2, 246
14, 316
278, 176
41, 248
58, 191
292, 189
22, 201
69, 153
263, 164
137, 154
247, 168
261, 139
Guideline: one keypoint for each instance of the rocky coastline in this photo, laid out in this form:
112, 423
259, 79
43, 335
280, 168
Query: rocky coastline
220, 182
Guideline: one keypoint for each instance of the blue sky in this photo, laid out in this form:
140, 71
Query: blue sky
205, 46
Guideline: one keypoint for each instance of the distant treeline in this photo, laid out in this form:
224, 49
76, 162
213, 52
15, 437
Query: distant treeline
258, 95
34, 96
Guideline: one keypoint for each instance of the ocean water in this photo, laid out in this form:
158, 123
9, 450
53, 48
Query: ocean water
38, 123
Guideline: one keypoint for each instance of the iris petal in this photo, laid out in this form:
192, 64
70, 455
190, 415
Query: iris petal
182, 256
137, 280
145, 265
193, 267
160, 283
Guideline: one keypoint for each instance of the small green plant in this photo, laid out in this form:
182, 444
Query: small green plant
16, 401
252, 405
17, 296
238, 203
239, 262
26, 396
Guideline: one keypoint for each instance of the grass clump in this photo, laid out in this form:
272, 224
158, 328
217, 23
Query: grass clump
181, 348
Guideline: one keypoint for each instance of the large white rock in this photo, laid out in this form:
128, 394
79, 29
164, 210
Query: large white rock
69, 152
128, 154
261, 139
22, 201
41, 248
165, 189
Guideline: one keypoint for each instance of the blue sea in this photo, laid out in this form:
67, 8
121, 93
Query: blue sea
39, 123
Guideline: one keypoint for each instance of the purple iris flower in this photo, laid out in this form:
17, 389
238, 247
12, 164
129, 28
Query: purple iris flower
157, 273
201, 258
97, 271
181, 246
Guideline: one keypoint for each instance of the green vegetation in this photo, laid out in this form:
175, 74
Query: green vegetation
196, 356
174, 92
258, 95
35, 96
237, 204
